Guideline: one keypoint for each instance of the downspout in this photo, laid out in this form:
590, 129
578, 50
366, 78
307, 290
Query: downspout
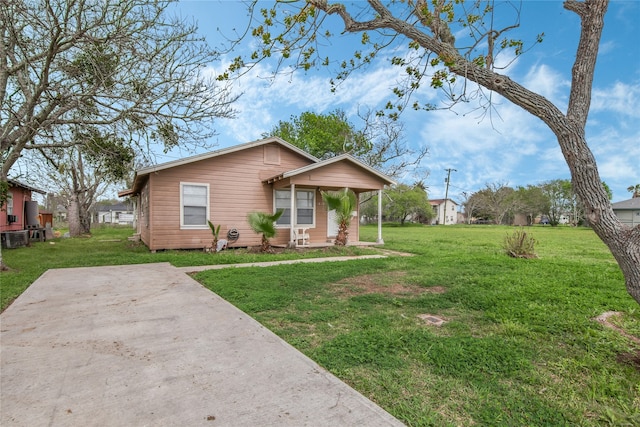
380, 241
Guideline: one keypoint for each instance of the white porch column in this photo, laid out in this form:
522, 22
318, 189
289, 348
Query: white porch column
380, 241
292, 237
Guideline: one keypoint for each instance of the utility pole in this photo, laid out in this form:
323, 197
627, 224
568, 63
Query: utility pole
446, 193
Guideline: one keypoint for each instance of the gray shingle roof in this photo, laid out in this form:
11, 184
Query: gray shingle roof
631, 204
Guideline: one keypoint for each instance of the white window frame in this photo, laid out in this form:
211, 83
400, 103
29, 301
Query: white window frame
297, 190
10, 203
184, 226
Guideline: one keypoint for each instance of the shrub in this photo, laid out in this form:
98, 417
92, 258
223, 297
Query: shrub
520, 244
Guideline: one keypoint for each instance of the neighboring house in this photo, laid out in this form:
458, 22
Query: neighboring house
628, 211
19, 214
119, 213
174, 200
20, 211
444, 213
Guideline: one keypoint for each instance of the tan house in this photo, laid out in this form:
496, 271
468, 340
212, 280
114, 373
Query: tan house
174, 200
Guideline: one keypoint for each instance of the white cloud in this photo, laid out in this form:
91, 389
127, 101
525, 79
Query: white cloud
620, 98
549, 83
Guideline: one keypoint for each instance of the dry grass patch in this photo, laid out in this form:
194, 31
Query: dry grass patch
385, 284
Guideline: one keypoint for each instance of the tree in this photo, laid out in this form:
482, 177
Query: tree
83, 172
560, 196
379, 143
470, 205
322, 135
428, 28
122, 66
494, 202
531, 201
265, 224
344, 202
406, 201
635, 190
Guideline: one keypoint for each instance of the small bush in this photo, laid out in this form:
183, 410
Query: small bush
520, 244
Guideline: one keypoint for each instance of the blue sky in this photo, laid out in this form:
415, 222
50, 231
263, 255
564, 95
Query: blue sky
513, 148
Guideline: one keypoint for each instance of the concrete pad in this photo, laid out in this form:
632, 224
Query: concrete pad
147, 345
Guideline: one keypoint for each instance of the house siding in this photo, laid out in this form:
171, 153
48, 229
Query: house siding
235, 189
241, 180
339, 175
629, 217
20, 195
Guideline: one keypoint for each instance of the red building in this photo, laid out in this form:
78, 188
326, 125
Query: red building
20, 212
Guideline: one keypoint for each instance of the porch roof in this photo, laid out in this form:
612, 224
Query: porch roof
321, 164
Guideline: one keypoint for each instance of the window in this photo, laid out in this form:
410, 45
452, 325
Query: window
305, 205
9, 204
194, 203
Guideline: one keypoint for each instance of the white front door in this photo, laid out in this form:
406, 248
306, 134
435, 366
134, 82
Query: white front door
332, 225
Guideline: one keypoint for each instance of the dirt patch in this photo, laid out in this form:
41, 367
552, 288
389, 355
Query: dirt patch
605, 317
631, 358
386, 284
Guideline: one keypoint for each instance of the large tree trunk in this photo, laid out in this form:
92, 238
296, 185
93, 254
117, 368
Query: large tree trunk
78, 215
73, 216
623, 241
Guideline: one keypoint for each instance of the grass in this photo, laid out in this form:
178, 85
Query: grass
519, 346
109, 246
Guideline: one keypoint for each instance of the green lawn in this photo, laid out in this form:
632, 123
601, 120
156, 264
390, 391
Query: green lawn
519, 346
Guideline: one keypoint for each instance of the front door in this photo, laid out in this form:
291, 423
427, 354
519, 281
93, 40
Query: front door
332, 224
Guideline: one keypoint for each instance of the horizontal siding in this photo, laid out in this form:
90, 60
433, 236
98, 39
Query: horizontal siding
20, 195
339, 175
236, 188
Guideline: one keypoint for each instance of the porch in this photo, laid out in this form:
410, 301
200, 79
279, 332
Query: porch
326, 244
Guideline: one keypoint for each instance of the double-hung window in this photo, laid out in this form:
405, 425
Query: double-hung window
305, 207
9, 204
194, 205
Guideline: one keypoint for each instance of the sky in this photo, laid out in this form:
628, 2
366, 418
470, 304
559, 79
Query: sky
509, 147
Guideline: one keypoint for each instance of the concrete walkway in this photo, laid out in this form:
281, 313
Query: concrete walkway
147, 345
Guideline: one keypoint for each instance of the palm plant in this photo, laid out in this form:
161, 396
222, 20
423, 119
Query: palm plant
344, 202
635, 189
265, 224
215, 231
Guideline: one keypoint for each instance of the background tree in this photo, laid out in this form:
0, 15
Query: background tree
292, 30
122, 66
379, 143
560, 196
494, 202
322, 135
531, 202
83, 172
407, 202
469, 203
634, 190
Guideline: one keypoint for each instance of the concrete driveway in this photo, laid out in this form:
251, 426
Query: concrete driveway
147, 345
